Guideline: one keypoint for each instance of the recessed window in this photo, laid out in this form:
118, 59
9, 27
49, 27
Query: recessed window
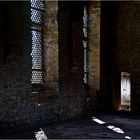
125, 91
37, 11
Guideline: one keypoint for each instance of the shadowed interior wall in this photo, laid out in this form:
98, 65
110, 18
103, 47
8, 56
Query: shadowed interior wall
93, 54
71, 57
19, 105
63, 60
107, 16
119, 50
126, 46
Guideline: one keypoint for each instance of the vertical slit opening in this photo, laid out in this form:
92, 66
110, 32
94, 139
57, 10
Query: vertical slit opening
85, 44
125, 91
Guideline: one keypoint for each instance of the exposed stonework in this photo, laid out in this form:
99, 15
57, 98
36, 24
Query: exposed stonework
19, 105
120, 50
51, 75
70, 56
94, 53
127, 47
63, 60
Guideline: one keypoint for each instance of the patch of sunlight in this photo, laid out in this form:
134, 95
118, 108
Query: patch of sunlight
97, 120
112, 127
127, 137
116, 129
40, 135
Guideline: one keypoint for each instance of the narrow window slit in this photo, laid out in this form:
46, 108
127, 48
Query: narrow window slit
85, 44
37, 12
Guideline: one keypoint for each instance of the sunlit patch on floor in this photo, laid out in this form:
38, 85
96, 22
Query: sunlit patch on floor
97, 120
127, 137
116, 129
40, 135
112, 127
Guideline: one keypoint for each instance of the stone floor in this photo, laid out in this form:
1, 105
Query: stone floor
94, 127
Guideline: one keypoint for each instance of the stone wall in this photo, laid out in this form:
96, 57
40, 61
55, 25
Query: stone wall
120, 50
93, 53
127, 47
18, 105
63, 87
51, 75
70, 58
63, 72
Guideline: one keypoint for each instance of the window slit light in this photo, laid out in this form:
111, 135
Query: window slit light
85, 20
36, 27
38, 4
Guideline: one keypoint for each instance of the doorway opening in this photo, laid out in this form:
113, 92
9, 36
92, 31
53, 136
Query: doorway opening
125, 91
